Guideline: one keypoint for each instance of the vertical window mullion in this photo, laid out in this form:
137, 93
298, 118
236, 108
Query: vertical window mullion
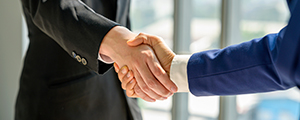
182, 40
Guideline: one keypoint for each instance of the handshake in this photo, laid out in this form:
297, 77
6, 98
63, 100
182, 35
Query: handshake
145, 63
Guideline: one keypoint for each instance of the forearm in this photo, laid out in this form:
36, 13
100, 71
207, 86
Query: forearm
238, 69
71, 24
60, 19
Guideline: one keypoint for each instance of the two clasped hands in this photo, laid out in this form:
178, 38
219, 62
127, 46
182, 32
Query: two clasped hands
145, 63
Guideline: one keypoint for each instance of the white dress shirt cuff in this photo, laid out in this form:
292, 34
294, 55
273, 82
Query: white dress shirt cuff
178, 72
105, 59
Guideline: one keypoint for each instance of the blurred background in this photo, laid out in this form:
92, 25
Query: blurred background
199, 23
187, 26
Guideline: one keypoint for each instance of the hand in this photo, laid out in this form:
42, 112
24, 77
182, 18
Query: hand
141, 60
164, 54
127, 79
131, 86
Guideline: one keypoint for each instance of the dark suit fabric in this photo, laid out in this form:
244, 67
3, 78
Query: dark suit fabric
55, 84
261, 65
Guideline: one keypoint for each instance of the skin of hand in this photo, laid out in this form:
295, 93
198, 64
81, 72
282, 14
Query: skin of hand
164, 54
127, 79
141, 60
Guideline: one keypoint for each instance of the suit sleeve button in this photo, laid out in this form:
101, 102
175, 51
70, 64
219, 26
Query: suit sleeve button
78, 58
74, 54
84, 62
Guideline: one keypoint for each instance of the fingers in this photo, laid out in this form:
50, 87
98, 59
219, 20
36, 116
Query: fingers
130, 88
116, 66
144, 89
161, 88
155, 66
140, 39
142, 95
151, 82
128, 80
131, 93
137, 40
162, 77
130, 85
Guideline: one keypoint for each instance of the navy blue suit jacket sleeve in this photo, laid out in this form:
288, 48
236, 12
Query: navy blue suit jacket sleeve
260, 65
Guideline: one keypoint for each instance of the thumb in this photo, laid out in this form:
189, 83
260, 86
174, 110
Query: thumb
140, 39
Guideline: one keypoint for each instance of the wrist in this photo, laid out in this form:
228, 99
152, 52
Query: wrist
114, 41
165, 55
168, 67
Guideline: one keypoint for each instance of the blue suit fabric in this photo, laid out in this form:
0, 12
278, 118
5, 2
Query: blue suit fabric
261, 65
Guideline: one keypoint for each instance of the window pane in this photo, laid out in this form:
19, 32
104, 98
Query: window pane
205, 34
154, 17
262, 17
206, 25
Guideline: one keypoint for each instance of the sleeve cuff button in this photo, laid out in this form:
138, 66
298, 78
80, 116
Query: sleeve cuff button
84, 62
78, 58
74, 54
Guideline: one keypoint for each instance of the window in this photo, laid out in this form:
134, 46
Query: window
251, 19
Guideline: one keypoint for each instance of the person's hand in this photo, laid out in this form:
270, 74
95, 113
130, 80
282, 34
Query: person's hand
164, 54
127, 79
129, 83
141, 60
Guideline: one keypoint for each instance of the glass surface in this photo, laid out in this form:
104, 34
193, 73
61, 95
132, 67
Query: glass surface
205, 25
154, 17
261, 17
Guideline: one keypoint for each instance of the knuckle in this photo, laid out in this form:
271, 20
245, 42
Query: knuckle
147, 54
123, 86
144, 38
157, 72
145, 88
151, 84
165, 92
141, 34
129, 93
124, 83
138, 91
144, 97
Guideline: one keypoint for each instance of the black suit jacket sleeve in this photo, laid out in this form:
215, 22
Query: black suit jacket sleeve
73, 25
